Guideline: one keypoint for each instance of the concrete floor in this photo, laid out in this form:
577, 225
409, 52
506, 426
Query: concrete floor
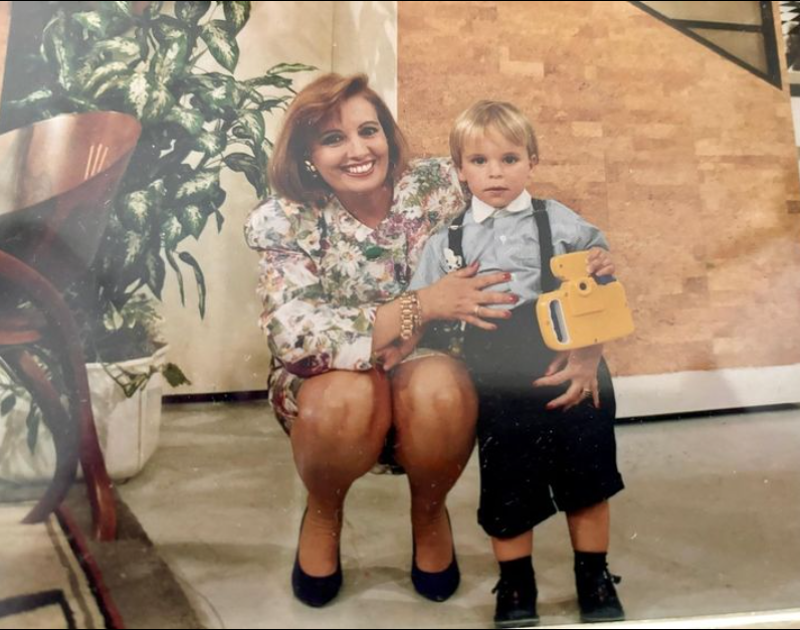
708, 525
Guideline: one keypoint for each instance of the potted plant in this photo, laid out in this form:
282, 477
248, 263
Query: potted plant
196, 122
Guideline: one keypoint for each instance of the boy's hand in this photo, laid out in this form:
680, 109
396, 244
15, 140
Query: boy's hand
579, 368
600, 263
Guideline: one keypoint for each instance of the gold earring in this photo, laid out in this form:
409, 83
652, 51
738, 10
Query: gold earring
310, 168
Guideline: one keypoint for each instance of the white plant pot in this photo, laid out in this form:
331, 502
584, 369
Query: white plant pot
128, 428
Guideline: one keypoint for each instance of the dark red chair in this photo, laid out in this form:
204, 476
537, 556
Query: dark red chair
58, 178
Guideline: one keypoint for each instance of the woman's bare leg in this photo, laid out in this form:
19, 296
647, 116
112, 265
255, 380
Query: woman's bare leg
435, 409
338, 435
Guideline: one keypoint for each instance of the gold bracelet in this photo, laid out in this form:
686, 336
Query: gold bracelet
410, 315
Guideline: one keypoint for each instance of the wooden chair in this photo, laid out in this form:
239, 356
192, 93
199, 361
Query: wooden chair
58, 178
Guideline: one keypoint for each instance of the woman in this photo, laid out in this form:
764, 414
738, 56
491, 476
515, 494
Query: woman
338, 248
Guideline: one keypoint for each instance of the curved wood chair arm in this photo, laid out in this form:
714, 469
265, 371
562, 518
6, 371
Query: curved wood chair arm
28, 282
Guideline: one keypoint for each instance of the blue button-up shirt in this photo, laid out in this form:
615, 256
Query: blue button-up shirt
507, 239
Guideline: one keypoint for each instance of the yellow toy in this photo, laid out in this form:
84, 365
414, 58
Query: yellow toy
581, 312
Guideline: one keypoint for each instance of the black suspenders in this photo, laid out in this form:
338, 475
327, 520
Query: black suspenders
455, 237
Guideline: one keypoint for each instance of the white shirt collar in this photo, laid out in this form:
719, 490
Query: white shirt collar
482, 210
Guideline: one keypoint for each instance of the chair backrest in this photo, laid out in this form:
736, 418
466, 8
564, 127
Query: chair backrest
58, 178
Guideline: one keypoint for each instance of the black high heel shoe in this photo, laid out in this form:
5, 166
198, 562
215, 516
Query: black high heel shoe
315, 591
440, 585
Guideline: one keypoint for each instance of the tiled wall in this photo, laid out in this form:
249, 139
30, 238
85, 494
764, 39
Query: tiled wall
686, 160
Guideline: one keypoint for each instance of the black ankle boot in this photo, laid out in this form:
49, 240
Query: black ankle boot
597, 595
516, 597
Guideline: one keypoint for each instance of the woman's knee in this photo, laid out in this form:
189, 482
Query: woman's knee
345, 407
438, 385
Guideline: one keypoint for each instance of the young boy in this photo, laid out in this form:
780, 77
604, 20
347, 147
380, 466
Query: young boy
545, 426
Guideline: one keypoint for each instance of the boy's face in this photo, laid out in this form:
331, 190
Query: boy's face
495, 169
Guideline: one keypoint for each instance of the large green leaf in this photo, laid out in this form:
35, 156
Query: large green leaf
250, 125
161, 102
174, 375
167, 29
240, 162
119, 45
220, 220
58, 49
187, 258
210, 143
77, 104
135, 210
216, 95
190, 120
193, 220
169, 63
178, 274
270, 80
200, 185
93, 21
191, 12
116, 8
244, 94
103, 74
268, 104
137, 93
237, 14
32, 424
131, 249
9, 402
286, 68
274, 76
171, 233
36, 99
221, 44
159, 189
247, 164
156, 273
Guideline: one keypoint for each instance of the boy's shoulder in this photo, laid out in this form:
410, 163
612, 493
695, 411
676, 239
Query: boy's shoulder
555, 206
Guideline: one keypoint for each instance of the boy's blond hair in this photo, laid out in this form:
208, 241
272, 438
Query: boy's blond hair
504, 118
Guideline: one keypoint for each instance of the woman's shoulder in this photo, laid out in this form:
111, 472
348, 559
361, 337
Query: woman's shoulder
430, 186
430, 171
276, 220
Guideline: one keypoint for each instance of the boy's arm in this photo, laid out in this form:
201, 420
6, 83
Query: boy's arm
580, 235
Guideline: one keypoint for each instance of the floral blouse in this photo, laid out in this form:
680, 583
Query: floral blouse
324, 273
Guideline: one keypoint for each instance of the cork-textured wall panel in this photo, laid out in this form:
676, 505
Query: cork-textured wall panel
684, 159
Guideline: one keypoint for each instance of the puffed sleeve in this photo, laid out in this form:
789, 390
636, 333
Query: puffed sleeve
307, 333
432, 265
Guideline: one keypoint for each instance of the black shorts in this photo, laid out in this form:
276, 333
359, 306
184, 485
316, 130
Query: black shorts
535, 462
